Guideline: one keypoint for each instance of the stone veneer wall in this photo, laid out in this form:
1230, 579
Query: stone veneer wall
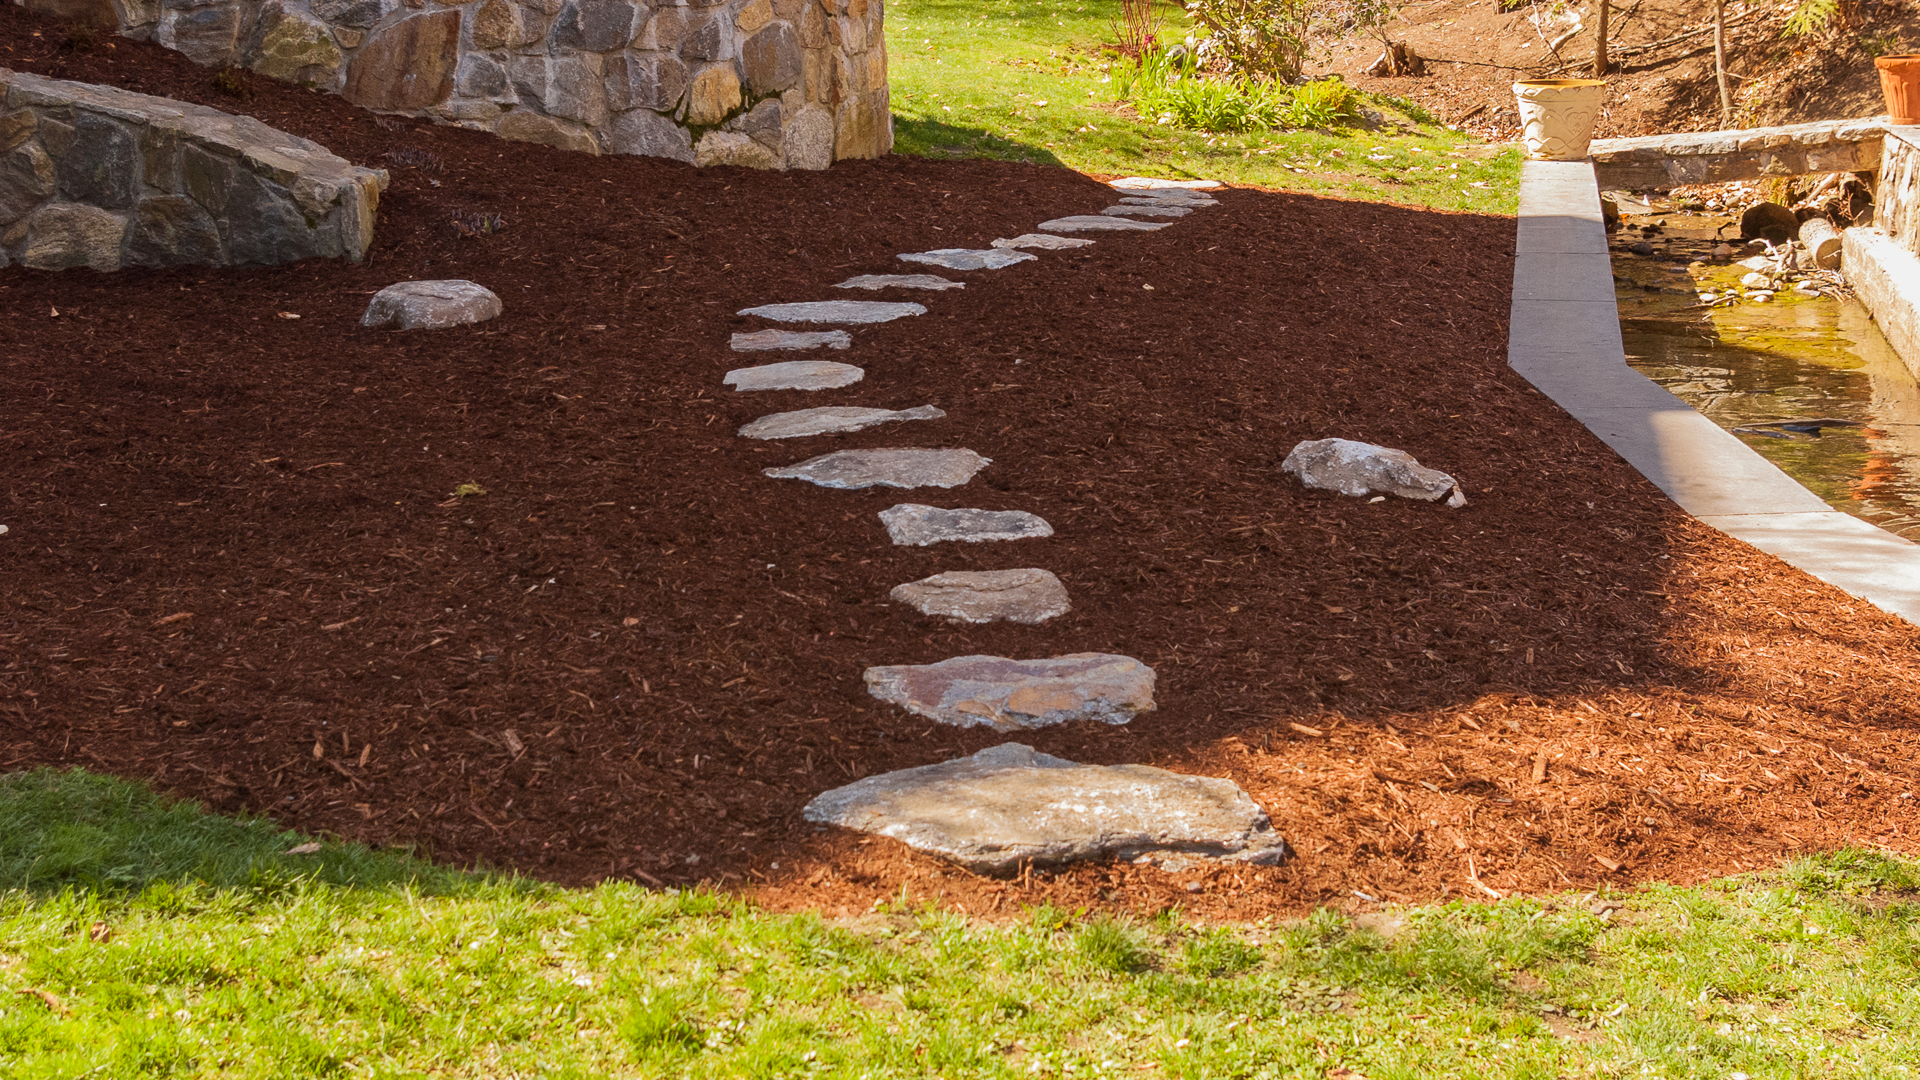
763, 83
100, 177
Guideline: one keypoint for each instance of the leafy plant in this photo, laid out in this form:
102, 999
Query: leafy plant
1322, 104
234, 83
1815, 16
1168, 88
473, 224
1263, 39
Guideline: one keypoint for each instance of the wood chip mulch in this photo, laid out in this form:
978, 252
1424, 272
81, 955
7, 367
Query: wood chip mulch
236, 569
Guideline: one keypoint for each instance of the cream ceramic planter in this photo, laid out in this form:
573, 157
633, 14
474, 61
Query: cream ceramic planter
1557, 115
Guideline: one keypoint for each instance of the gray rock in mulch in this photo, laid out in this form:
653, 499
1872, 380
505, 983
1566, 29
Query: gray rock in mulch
1124, 210
836, 311
969, 691
1170, 198
430, 305
900, 281
1044, 241
901, 468
794, 375
1150, 183
915, 525
993, 258
830, 420
1100, 223
1357, 468
770, 340
984, 596
1009, 806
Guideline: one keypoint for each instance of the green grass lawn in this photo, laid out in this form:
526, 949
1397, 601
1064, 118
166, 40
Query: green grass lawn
145, 939
1026, 80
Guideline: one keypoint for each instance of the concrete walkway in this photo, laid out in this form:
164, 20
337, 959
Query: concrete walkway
1565, 340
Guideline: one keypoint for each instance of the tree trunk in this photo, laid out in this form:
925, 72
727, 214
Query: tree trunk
1600, 64
1720, 61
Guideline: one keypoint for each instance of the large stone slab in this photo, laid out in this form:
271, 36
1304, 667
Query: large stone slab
1358, 468
1100, 223
836, 311
1009, 806
1715, 157
970, 691
771, 340
984, 596
431, 305
1135, 210
407, 64
917, 525
1170, 198
901, 281
993, 258
830, 420
901, 468
1043, 241
794, 375
1150, 183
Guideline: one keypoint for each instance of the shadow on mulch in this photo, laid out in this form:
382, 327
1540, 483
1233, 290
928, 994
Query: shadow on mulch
236, 568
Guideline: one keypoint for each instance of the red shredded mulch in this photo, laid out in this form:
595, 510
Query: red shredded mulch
236, 569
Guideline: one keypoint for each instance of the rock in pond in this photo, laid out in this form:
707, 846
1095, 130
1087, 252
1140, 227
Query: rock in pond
430, 305
901, 281
1043, 241
831, 419
916, 525
794, 375
1010, 806
893, 467
836, 311
993, 258
984, 596
1357, 468
1100, 223
770, 340
969, 691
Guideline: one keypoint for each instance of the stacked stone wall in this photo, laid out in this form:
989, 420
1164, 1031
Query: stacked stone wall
764, 83
99, 177
1896, 200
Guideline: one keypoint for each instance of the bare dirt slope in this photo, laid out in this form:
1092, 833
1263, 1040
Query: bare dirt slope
1663, 79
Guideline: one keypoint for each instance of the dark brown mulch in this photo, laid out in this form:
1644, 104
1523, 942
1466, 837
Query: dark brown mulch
236, 569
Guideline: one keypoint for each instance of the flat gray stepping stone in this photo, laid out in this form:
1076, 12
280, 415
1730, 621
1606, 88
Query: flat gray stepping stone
1149, 183
840, 311
1009, 806
1357, 468
769, 340
1146, 211
1170, 198
901, 468
831, 419
993, 258
968, 691
915, 525
900, 281
1045, 241
1100, 223
430, 305
794, 375
984, 596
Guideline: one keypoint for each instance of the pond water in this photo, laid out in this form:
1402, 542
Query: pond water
1765, 370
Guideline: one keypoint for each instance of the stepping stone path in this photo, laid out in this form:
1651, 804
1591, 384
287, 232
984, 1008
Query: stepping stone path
984, 596
770, 340
1045, 241
836, 311
971, 691
794, 375
900, 281
1100, 223
993, 258
1357, 468
1009, 806
915, 525
830, 420
901, 468
431, 305
1146, 211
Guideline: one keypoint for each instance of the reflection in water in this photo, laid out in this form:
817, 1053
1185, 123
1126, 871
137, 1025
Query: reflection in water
1753, 366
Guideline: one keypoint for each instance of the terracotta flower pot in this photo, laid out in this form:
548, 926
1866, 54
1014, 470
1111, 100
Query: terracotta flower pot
1557, 115
1900, 82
